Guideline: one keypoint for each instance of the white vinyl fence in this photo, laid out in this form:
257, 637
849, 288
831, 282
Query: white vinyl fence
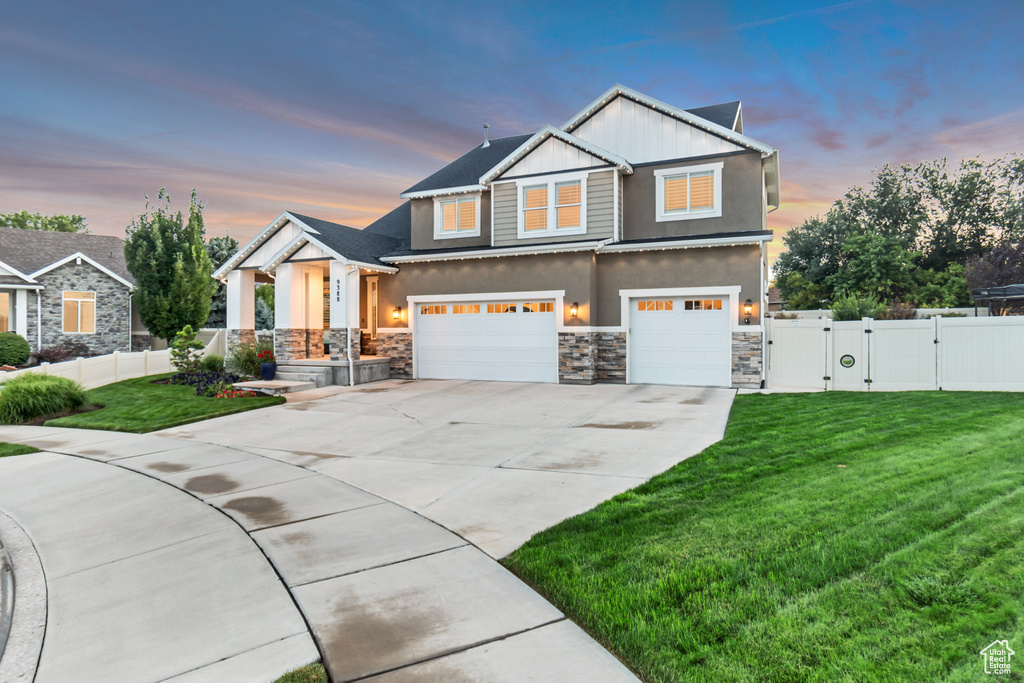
955, 354
114, 367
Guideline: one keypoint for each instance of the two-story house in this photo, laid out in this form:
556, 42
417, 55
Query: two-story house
627, 245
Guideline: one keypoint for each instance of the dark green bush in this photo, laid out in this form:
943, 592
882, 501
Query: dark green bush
32, 395
13, 349
854, 307
213, 363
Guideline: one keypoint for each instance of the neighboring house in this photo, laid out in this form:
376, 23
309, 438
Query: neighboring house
626, 245
775, 300
61, 287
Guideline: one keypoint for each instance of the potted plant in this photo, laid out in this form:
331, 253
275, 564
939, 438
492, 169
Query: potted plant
268, 365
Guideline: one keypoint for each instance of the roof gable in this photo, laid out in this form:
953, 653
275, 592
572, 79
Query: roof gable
31, 251
556, 150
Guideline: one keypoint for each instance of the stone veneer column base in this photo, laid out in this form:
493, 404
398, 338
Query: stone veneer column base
577, 357
289, 343
338, 339
315, 343
611, 357
747, 360
235, 338
398, 347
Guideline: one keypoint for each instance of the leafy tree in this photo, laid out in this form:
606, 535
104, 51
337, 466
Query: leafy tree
34, 221
172, 268
220, 249
875, 265
1003, 265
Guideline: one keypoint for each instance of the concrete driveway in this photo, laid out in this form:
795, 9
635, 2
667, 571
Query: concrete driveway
379, 508
494, 462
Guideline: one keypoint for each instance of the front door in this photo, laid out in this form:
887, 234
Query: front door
371, 305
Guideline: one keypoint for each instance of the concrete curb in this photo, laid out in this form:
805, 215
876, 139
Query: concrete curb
27, 583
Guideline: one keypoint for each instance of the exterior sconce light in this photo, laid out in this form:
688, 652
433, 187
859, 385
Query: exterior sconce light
574, 310
397, 313
748, 307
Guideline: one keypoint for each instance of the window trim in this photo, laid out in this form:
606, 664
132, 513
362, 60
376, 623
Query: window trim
552, 181
659, 175
439, 201
63, 302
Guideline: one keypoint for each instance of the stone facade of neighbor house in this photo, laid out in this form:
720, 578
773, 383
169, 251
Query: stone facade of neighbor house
113, 308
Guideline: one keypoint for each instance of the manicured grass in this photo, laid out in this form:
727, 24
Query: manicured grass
138, 405
15, 449
828, 537
312, 673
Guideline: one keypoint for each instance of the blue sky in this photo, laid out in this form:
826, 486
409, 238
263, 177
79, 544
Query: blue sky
333, 108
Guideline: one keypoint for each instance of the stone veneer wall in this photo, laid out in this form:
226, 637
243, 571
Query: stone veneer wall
289, 343
611, 357
577, 357
142, 342
337, 337
315, 342
398, 347
235, 338
746, 359
113, 309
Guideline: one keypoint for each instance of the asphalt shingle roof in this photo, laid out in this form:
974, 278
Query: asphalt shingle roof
32, 250
396, 224
467, 169
722, 114
352, 243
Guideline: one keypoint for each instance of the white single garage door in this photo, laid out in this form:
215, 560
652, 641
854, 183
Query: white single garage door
680, 340
508, 340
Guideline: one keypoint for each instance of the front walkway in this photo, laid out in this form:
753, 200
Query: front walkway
374, 507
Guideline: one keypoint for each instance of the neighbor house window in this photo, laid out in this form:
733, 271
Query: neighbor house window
552, 207
456, 217
80, 312
5, 312
689, 192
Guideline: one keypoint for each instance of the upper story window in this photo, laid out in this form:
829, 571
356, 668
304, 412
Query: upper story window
80, 312
555, 206
456, 217
689, 192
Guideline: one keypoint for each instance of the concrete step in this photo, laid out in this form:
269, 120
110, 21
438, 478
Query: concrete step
275, 387
318, 379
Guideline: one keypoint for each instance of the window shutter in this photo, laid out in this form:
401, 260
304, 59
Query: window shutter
467, 215
675, 193
702, 191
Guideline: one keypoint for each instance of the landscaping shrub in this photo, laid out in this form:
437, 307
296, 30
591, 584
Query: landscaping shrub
854, 307
244, 358
33, 395
187, 351
13, 349
206, 383
62, 352
213, 363
898, 311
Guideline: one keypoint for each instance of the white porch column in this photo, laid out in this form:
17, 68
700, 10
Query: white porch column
344, 311
21, 313
314, 277
290, 312
241, 303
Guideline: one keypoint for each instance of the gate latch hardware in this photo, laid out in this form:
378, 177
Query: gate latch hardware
867, 331
867, 381
828, 329
827, 378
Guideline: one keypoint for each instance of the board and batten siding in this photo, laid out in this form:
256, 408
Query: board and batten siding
641, 134
554, 155
600, 213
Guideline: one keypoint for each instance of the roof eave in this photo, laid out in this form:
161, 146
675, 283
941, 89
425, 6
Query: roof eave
437, 192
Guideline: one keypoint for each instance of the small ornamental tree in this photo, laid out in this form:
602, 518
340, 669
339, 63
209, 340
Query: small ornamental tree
187, 351
172, 267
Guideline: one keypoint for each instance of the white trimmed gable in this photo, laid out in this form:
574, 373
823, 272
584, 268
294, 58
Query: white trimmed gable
310, 251
271, 246
641, 134
554, 155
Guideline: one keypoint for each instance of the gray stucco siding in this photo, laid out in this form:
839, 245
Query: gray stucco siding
742, 199
708, 267
600, 212
113, 309
422, 236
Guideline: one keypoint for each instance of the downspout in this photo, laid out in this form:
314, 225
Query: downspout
348, 330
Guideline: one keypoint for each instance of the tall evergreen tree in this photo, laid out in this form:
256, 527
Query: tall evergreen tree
220, 250
172, 268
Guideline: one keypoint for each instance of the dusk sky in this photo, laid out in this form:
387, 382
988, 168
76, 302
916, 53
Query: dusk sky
333, 108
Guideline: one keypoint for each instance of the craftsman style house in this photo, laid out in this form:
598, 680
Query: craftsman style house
627, 245
58, 287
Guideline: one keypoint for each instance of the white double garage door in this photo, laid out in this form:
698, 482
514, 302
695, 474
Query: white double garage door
672, 340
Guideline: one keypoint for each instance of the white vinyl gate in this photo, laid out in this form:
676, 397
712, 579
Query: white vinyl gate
955, 354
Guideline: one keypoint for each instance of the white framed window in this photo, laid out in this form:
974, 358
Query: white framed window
5, 311
689, 192
554, 205
79, 312
456, 216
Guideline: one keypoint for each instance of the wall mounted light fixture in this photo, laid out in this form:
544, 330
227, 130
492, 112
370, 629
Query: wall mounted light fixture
397, 313
574, 310
748, 307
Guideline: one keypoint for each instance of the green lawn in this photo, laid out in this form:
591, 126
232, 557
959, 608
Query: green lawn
138, 405
828, 537
311, 673
15, 449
